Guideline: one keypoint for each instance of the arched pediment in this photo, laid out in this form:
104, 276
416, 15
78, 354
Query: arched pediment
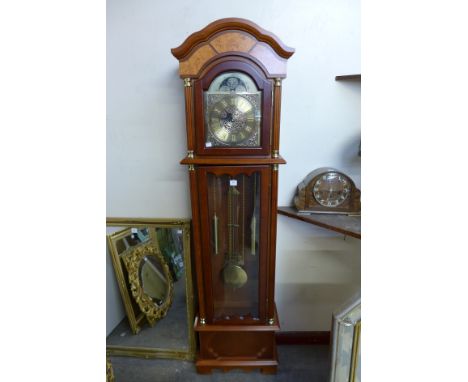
232, 36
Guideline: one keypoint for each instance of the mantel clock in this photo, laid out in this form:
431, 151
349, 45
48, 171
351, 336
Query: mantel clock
327, 190
232, 71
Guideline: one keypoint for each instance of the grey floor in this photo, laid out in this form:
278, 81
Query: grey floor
298, 363
168, 333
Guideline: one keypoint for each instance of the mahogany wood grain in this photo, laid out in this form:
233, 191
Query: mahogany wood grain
232, 23
233, 328
269, 69
229, 347
303, 338
232, 36
272, 254
265, 366
231, 160
196, 234
189, 116
276, 118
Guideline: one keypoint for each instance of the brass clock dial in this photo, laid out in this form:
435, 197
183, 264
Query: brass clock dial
232, 120
232, 111
331, 189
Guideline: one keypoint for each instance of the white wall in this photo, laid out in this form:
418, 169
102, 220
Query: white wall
316, 269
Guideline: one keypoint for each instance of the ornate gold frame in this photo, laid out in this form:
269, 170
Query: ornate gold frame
132, 259
135, 319
109, 371
354, 355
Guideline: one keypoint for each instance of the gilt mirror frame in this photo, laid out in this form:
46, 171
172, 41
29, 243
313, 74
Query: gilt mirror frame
133, 258
346, 342
136, 318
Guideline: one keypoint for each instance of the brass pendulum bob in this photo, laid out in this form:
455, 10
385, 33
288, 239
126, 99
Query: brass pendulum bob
234, 275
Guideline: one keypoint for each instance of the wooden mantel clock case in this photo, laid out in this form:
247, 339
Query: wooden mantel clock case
232, 71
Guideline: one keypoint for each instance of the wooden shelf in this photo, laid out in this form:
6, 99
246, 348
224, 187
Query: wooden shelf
349, 77
346, 224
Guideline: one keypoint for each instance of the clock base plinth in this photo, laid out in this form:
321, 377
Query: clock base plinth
244, 347
207, 366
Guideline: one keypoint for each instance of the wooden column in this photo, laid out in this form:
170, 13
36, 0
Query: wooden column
272, 258
276, 118
274, 197
189, 115
197, 241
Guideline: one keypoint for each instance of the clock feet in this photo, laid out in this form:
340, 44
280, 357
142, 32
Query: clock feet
204, 369
247, 367
269, 370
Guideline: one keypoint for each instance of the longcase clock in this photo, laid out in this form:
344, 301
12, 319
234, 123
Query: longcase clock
232, 71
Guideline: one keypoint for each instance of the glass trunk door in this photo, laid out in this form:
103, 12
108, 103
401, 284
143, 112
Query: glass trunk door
235, 242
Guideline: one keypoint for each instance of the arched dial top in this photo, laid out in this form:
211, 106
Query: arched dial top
232, 111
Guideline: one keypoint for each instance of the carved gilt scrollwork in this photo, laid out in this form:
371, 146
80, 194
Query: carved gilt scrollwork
109, 371
133, 260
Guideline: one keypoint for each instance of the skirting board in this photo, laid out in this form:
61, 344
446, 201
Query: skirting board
303, 338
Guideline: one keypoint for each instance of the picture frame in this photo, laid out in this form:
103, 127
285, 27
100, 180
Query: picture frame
346, 342
145, 230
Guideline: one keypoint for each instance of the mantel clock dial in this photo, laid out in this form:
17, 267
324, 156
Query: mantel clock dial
233, 71
331, 189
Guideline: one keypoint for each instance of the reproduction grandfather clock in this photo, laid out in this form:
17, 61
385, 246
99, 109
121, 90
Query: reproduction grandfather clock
232, 71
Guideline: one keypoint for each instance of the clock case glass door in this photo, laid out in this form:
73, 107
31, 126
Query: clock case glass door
233, 110
235, 212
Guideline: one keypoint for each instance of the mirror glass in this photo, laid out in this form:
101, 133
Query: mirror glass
153, 280
161, 257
